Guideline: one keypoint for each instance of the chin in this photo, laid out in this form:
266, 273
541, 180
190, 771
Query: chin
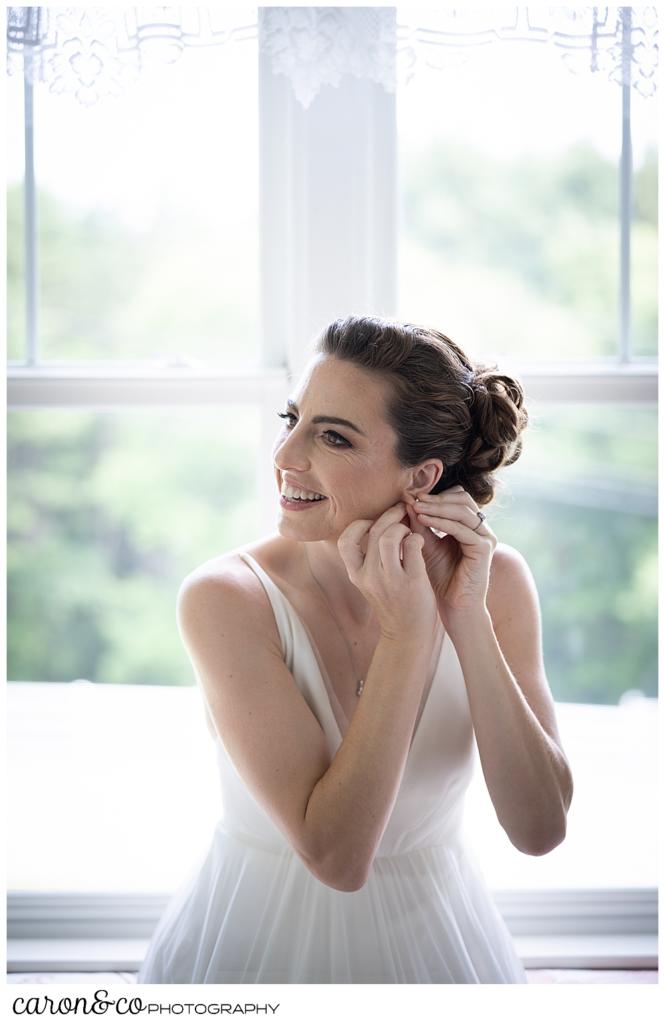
303, 526
295, 531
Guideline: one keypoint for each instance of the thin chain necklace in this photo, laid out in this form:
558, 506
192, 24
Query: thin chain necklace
360, 685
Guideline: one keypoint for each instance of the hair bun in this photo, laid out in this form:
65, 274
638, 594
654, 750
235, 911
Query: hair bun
499, 416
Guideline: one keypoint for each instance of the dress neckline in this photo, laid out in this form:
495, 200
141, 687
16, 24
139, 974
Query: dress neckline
319, 661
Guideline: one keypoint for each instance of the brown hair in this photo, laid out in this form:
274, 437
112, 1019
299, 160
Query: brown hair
443, 406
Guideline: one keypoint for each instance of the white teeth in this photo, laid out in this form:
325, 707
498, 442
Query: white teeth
294, 492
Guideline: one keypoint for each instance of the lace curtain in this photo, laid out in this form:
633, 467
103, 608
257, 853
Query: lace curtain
93, 52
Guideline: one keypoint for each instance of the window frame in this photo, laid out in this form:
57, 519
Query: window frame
318, 259
567, 928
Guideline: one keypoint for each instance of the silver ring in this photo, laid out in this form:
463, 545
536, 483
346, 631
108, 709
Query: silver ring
482, 517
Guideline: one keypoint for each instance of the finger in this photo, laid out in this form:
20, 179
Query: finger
464, 534
457, 489
432, 501
389, 544
452, 511
429, 539
414, 562
349, 544
394, 514
428, 533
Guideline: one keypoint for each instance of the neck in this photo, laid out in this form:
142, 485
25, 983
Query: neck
322, 557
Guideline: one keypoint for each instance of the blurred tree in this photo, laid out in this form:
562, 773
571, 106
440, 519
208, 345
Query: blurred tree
551, 225
108, 512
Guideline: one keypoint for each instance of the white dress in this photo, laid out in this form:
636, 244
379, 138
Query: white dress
252, 912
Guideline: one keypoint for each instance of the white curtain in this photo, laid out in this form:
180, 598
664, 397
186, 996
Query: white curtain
93, 52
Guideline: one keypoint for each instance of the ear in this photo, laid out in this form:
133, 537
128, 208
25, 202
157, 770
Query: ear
423, 477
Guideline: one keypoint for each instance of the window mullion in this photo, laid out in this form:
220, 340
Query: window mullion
91, 387
30, 214
328, 206
625, 192
28, 389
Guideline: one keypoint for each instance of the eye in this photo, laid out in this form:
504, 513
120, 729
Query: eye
334, 439
336, 444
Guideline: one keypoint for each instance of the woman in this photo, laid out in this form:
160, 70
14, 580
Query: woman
347, 661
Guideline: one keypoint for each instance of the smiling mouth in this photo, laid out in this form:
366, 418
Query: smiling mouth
303, 501
301, 493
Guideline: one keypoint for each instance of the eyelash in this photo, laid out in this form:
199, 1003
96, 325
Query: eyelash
333, 433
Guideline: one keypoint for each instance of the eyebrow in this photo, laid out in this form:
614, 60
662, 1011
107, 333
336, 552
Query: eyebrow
329, 419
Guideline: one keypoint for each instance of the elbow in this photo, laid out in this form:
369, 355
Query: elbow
345, 881
345, 878
356, 881
348, 884
341, 865
552, 834
542, 843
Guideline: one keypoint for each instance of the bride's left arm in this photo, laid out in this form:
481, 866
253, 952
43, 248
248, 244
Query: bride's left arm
500, 651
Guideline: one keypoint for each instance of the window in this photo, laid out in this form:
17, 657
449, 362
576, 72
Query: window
184, 254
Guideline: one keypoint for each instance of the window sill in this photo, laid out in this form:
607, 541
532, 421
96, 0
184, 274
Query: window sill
628, 952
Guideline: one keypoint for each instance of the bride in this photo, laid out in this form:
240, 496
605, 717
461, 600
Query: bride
419, 625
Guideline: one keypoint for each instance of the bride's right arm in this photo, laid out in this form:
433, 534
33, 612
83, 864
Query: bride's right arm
333, 813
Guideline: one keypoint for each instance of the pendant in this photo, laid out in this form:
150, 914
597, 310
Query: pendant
360, 687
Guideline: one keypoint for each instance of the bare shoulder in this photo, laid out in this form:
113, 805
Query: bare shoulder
505, 558
510, 578
228, 587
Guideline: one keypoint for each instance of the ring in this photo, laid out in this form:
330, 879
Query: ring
482, 517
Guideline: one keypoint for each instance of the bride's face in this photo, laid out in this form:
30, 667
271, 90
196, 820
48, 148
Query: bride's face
352, 464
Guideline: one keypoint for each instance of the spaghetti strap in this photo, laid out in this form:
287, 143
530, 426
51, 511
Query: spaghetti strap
280, 606
307, 667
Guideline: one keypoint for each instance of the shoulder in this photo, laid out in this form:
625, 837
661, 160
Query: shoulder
225, 590
229, 572
511, 582
507, 559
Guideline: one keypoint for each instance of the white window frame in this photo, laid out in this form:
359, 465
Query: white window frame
320, 257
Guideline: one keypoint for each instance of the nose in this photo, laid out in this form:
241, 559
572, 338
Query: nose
289, 451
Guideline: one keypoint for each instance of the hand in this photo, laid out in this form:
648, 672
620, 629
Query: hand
458, 564
399, 592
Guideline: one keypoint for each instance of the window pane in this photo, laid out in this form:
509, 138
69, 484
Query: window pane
16, 326
644, 235
107, 512
509, 204
148, 214
106, 772
611, 837
581, 505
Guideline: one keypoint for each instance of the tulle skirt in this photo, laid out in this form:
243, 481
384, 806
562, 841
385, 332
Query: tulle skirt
251, 914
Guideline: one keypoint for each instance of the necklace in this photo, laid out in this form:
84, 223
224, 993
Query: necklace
360, 686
